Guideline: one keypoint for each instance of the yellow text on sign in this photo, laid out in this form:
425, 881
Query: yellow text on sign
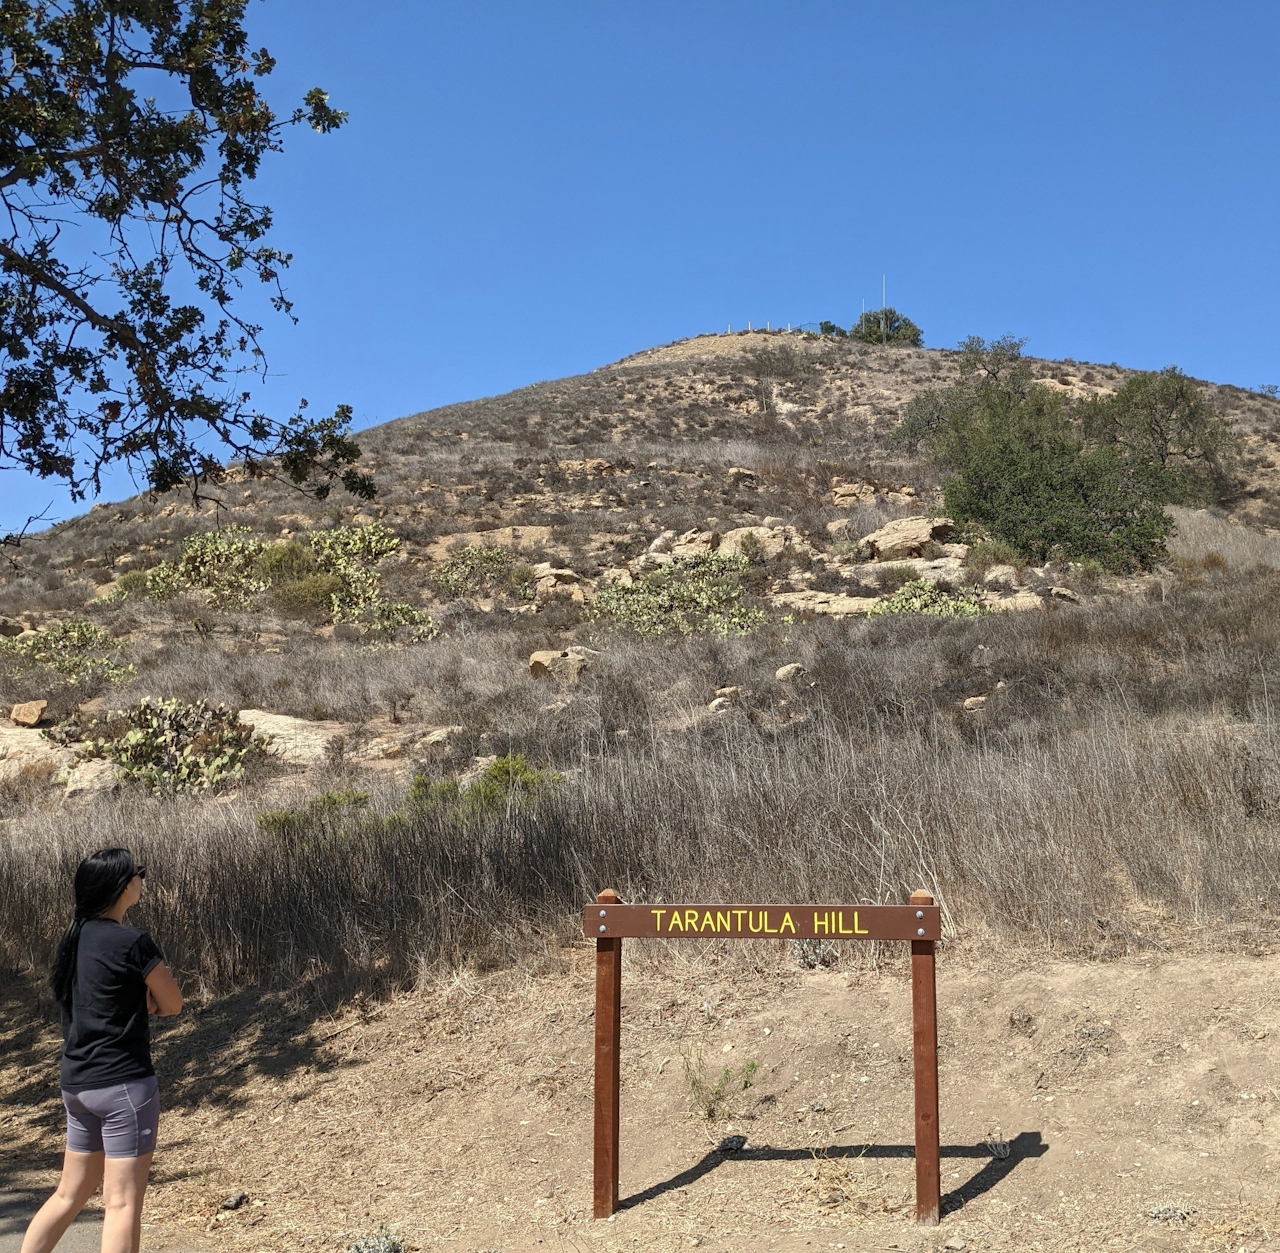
831, 922
725, 922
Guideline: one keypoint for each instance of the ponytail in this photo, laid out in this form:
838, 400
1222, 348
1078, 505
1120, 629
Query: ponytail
100, 879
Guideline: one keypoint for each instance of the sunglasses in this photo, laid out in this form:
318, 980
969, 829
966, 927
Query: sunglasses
140, 871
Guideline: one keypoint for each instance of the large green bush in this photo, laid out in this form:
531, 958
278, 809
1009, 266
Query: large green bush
222, 564
699, 594
921, 596
1019, 464
79, 650
482, 567
887, 326
168, 745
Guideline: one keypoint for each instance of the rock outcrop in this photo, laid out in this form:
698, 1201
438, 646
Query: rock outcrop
296, 741
904, 537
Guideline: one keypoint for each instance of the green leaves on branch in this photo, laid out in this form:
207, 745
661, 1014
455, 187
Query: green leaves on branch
1087, 484
129, 134
699, 594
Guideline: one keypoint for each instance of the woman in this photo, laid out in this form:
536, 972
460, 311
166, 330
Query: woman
107, 978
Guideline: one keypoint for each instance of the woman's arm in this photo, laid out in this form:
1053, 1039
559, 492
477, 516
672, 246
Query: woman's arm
163, 994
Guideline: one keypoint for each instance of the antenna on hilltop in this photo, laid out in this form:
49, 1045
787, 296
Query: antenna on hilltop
884, 321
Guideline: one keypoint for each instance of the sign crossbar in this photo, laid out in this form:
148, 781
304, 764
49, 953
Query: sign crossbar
609, 921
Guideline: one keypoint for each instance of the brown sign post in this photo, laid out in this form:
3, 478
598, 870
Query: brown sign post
920, 923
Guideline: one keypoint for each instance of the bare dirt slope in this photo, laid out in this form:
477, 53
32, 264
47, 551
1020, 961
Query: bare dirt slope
1127, 1105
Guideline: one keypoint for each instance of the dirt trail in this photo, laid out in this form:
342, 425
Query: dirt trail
1130, 1105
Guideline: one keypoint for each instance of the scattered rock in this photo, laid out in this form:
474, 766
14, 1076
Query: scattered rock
663, 543
729, 693
1001, 576
439, 735
790, 673
973, 703
555, 581
740, 475
566, 665
834, 604
234, 1201
695, 543
774, 523
477, 767
845, 495
295, 740
1064, 593
720, 704
29, 713
955, 1245
91, 779
904, 537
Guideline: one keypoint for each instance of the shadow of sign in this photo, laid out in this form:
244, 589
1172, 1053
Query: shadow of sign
1026, 1144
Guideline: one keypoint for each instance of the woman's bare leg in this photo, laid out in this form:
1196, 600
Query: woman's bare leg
81, 1175
123, 1183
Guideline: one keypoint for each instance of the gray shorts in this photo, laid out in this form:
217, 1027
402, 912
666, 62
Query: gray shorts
121, 1119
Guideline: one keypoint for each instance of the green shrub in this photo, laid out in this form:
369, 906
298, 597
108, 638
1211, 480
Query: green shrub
222, 564
320, 810
702, 594
507, 783
286, 562
131, 583
878, 326
830, 328
381, 1241
993, 552
351, 553
81, 651
921, 596
172, 746
482, 567
309, 597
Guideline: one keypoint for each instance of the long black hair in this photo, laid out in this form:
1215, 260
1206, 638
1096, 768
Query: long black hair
100, 879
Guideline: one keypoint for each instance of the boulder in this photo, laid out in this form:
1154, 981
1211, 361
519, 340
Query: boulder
844, 495
1064, 593
663, 543
904, 537
973, 703
1023, 598
295, 741
1001, 576
29, 713
91, 779
566, 665
719, 705
27, 752
740, 476
439, 735
728, 693
553, 581
10, 627
695, 543
790, 673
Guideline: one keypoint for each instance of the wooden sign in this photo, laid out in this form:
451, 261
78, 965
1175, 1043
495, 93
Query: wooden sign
757, 922
919, 923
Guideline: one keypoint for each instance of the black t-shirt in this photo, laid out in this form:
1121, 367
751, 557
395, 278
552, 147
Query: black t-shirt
107, 1035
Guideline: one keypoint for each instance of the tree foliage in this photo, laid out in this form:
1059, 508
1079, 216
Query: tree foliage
129, 133
1168, 430
887, 326
1025, 468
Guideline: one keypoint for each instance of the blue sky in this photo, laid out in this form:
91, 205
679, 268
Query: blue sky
531, 190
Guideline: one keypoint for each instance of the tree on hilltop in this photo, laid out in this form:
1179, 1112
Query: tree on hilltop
887, 326
129, 131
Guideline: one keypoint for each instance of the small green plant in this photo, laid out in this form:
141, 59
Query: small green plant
482, 567
510, 782
320, 810
709, 1095
993, 552
699, 594
286, 562
381, 1241
891, 576
79, 650
130, 583
168, 745
921, 596
309, 597
222, 564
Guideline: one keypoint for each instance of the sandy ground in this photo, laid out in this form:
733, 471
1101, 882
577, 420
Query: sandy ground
1130, 1105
